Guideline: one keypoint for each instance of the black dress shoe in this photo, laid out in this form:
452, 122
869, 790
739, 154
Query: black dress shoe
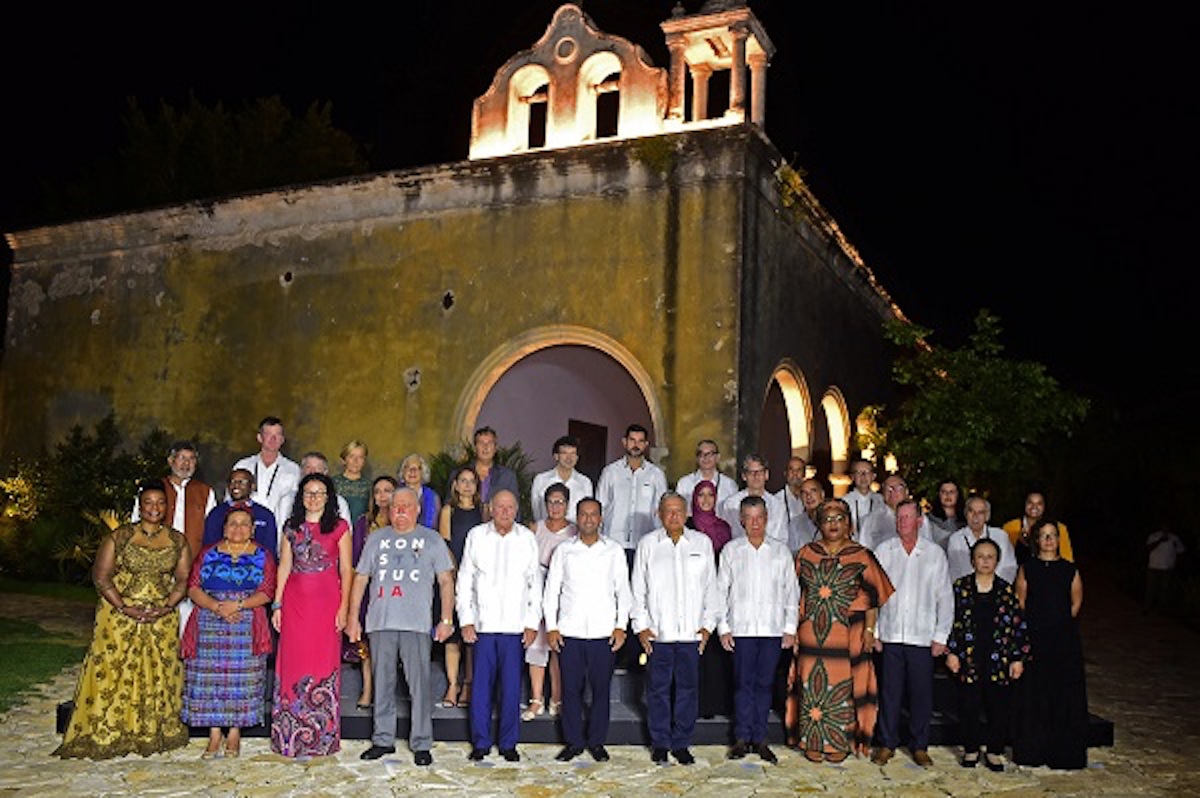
658, 755
568, 753
478, 754
422, 758
376, 751
599, 753
994, 763
510, 755
766, 754
970, 760
683, 756
738, 750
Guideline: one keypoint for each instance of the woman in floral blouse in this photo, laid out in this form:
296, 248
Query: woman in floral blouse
832, 705
988, 647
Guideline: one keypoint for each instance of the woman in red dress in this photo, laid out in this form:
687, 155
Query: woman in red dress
312, 595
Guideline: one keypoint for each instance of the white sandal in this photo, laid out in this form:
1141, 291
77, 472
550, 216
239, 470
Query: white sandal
536, 707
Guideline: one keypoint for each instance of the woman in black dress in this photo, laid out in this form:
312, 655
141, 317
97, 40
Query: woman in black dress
461, 513
1052, 711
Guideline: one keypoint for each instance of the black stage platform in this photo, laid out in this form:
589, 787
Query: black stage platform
627, 726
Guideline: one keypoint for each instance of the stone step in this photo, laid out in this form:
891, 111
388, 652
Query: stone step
627, 725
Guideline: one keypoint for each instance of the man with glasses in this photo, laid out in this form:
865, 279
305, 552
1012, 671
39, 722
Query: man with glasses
707, 459
881, 526
755, 474
861, 498
241, 488
566, 455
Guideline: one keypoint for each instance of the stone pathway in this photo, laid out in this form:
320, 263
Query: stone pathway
1140, 671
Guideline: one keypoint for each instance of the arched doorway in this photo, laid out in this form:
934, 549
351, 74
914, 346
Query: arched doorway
562, 380
786, 421
837, 421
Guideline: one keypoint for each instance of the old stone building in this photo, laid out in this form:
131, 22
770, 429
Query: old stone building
615, 249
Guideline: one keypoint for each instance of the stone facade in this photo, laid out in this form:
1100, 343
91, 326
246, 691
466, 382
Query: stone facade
385, 307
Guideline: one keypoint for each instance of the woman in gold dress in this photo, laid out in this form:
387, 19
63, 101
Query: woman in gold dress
130, 692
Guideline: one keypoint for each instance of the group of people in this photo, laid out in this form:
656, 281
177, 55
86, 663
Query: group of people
839, 596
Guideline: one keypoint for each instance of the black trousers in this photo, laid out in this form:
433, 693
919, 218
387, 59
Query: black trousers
973, 700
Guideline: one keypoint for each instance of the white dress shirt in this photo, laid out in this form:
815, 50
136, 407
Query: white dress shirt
800, 528
862, 507
777, 526
500, 581
726, 486
272, 482
958, 553
921, 611
630, 500
759, 591
578, 484
587, 590
881, 525
675, 586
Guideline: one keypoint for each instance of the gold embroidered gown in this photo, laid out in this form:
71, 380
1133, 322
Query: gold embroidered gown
130, 692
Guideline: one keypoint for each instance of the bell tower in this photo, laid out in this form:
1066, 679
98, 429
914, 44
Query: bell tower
722, 35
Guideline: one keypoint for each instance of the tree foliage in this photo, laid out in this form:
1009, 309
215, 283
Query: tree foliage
198, 151
971, 414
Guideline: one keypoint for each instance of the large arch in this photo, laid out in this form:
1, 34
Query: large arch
837, 416
505, 356
787, 413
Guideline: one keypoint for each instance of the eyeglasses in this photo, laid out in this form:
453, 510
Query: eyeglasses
313, 494
833, 519
755, 471
896, 488
556, 501
239, 482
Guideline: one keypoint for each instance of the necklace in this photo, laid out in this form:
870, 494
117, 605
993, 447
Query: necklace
245, 547
152, 535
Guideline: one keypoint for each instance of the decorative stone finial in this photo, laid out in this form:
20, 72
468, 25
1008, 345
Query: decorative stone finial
716, 6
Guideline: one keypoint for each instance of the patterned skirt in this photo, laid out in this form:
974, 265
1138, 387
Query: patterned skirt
224, 683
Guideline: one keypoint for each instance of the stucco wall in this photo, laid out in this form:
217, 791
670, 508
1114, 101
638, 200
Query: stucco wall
320, 304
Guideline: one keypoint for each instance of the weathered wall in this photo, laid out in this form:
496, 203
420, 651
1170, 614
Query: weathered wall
319, 304
803, 298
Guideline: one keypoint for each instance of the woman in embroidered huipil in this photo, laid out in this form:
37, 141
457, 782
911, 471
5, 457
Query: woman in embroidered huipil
312, 597
226, 641
833, 703
987, 650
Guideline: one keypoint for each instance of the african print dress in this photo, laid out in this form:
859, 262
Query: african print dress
833, 702
225, 663
305, 714
128, 697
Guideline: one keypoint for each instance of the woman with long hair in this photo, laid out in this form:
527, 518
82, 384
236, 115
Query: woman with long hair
312, 597
462, 512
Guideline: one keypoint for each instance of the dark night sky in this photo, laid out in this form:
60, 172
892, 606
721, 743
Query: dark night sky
1035, 159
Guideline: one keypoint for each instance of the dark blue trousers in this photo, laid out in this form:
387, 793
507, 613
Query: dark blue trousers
678, 663
754, 661
906, 668
498, 658
585, 662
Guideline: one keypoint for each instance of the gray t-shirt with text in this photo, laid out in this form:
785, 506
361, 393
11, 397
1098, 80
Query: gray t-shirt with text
403, 571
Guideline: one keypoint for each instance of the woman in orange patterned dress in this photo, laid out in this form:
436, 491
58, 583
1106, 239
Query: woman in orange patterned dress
832, 701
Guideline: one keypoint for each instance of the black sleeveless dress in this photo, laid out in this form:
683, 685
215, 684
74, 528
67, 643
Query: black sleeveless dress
1052, 716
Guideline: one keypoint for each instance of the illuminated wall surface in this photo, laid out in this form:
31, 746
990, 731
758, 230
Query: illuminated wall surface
386, 307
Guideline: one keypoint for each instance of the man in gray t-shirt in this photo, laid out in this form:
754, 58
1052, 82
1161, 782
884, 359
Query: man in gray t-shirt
400, 564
